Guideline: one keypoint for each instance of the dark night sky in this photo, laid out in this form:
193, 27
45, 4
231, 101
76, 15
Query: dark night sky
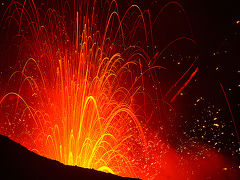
215, 29
217, 32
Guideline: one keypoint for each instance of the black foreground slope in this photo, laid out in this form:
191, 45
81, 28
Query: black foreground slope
19, 163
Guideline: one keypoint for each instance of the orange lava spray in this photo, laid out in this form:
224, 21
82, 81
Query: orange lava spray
71, 92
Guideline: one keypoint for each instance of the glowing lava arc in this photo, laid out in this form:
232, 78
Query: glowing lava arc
70, 93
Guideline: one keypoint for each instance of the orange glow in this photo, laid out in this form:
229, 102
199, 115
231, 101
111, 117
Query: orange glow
86, 90
80, 110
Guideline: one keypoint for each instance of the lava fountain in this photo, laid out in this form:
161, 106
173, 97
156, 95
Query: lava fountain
75, 93
80, 92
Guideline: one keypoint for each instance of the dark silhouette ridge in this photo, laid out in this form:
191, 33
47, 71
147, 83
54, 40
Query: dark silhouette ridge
19, 163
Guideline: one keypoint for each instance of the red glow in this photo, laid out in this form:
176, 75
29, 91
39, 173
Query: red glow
74, 98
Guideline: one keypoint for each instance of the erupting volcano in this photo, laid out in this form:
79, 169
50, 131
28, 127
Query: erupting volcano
85, 90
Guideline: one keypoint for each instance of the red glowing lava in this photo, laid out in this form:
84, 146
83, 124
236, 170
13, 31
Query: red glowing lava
80, 94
